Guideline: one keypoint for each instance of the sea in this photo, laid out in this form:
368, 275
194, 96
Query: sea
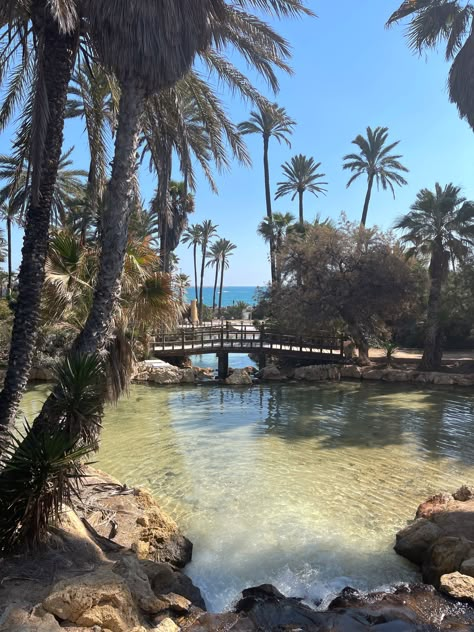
230, 294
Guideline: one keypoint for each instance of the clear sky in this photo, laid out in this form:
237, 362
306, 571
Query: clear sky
349, 72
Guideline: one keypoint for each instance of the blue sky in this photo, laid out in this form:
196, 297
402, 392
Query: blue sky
349, 72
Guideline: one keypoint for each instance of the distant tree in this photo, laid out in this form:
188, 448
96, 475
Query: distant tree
301, 175
183, 282
375, 161
270, 122
440, 225
193, 237
343, 277
275, 230
214, 257
174, 221
453, 21
225, 248
208, 231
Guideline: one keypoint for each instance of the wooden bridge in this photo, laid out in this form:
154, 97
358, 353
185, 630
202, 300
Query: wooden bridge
229, 337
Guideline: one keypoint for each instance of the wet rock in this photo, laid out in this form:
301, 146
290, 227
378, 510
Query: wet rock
187, 376
396, 375
351, 371
446, 556
467, 567
436, 503
369, 373
271, 372
137, 580
98, 598
458, 586
464, 493
176, 603
239, 377
317, 373
414, 541
164, 579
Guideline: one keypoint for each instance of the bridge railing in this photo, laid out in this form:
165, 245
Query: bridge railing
231, 336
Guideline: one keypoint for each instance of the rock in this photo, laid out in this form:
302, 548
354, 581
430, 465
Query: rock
436, 503
139, 585
239, 377
369, 373
351, 371
414, 541
98, 598
458, 586
164, 375
446, 556
271, 372
42, 374
396, 375
317, 373
164, 580
187, 376
464, 493
176, 602
15, 619
467, 567
166, 625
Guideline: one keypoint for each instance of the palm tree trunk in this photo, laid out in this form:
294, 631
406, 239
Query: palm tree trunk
221, 286
367, 201
300, 197
433, 353
9, 256
58, 56
195, 272
203, 263
215, 286
268, 200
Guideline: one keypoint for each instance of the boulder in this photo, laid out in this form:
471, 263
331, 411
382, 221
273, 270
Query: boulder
317, 373
396, 375
414, 541
369, 373
16, 619
436, 503
42, 374
187, 376
176, 603
446, 556
99, 598
467, 567
464, 493
166, 625
164, 579
271, 372
239, 377
458, 586
351, 371
164, 375
138, 583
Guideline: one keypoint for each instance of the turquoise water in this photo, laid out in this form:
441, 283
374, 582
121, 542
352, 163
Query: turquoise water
299, 485
230, 294
236, 361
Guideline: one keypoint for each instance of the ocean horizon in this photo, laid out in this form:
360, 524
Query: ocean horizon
230, 294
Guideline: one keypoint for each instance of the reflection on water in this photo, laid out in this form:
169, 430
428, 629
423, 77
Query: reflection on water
298, 485
236, 361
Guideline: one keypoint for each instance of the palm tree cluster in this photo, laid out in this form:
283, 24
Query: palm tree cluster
215, 254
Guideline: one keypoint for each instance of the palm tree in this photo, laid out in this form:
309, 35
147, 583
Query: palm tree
193, 237
301, 175
208, 231
453, 21
375, 161
225, 248
173, 220
7, 213
276, 230
270, 121
183, 282
440, 225
214, 261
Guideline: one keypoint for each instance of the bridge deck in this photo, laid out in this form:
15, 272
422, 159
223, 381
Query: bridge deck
247, 339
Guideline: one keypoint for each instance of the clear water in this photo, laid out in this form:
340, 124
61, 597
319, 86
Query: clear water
301, 486
230, 294
209, 360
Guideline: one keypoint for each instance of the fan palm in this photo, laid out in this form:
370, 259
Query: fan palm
301, 175
214, 262
440, 225
453, 21
376, 162
193, 237
225, 249
270, 121
208, 231
275, 230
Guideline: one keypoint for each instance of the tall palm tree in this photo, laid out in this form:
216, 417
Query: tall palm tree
440, 225
453, 21
225, 248
270, 121
276, 230
183, 283
208, 231
214, 261
301, 175
9, 216
193, 237
376, 162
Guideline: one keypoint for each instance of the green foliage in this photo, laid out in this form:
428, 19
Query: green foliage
41, 471
234, 311
5, 310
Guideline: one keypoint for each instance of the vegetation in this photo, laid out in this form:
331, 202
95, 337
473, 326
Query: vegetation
301, 176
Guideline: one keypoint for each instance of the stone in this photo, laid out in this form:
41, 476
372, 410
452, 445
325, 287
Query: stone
164, 579
176, 602
458, 586
187, 376
467, 567
139, 585
98, 598
270, 372
42, 374
239, 377
446, 556
373, 374
464, 493
351, 371
396, 375
164, 375
167, 625
414, 541
15, 619
317, 373
436, 503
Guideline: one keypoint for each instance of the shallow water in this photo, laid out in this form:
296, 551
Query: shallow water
301, 486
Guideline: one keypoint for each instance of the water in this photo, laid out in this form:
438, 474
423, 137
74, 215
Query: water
230, 295
298, 485
236, 361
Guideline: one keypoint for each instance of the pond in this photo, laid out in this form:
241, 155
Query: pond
303, 486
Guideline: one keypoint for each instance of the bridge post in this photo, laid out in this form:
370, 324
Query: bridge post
222, 365
262, 361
